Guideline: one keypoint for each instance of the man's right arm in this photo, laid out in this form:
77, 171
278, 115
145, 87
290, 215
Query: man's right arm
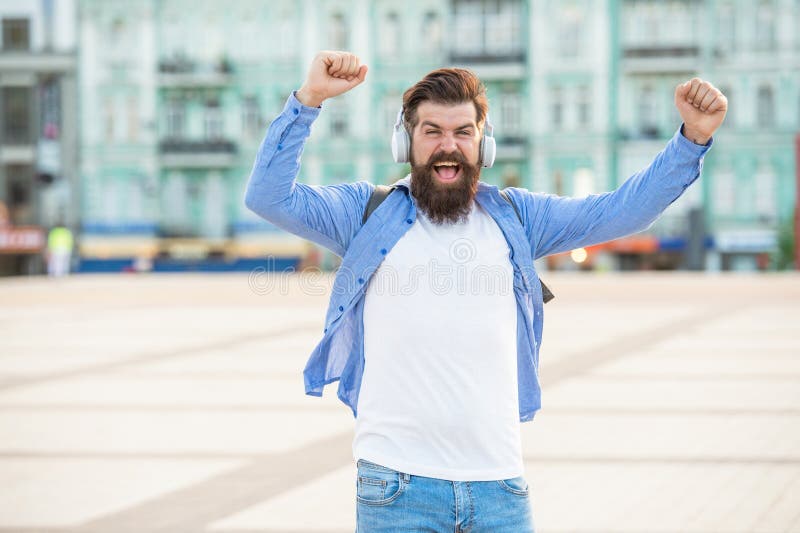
327, 215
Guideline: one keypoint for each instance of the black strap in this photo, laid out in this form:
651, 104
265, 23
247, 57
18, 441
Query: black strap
378, 196
547, 294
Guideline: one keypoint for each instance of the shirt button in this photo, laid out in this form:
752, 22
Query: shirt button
409, 221
280, 147
295, 111
325, 331
361, 280
383, 251
341, 308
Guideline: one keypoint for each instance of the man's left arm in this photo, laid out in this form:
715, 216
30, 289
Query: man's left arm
558, 224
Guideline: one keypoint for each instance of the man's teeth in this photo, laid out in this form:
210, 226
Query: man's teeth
446, 164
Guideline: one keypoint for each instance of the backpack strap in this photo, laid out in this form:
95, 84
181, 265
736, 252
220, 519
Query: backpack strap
379, 194
547, 294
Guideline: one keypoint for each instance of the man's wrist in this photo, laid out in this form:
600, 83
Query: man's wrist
307, 98
695, 137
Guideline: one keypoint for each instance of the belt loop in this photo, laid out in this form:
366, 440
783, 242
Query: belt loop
406, 477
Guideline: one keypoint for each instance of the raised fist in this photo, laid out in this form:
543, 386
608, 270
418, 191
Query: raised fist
702, 107
331, 74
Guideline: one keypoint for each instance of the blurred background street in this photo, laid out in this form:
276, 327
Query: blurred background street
134, 123
174, 403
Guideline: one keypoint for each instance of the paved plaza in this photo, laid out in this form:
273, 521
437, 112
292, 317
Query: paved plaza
175, 404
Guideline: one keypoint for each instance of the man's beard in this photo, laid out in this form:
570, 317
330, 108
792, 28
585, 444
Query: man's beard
444, 202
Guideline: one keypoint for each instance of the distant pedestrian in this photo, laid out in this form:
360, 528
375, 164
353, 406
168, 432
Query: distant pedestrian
59, 251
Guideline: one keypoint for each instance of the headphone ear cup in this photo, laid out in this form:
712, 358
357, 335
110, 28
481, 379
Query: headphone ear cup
400, 145
488, 151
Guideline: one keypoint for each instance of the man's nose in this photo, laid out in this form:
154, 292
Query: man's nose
448, 143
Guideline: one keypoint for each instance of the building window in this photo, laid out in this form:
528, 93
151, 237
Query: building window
729, 115
432, 32
584, 106
287, 28
109, 114
391, 106
176, 118
251, 116
50, 111
390, 36
557, 107
337, 35
338, 119
19, 179
510, 116
648, 113
570, 31
765, 26
468, 21
503, 32
16, 34
766, 107
488, 27
133, 118
766, 194
727, 28
213, 121
724, 194
16, 108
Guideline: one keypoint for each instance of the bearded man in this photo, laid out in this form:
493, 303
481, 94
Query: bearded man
438, 363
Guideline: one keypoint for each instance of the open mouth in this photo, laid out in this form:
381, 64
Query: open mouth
447, 170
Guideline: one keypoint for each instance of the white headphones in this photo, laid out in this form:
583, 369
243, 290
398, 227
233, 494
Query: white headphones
401, 143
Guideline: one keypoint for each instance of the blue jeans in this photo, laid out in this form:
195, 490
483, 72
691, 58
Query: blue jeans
389, 501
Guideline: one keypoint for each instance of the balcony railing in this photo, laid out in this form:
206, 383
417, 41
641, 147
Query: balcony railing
486, 56
197, 154
181, 71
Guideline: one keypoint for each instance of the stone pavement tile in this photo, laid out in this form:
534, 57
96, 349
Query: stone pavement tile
163, 432
600, 324
784, 513
722, 345
284, 355
586, 435
62, 492
655, 497
106, 390
27, 361
326, 504
659, 363
696, 396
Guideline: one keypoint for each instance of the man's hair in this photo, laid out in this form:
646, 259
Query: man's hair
445, 86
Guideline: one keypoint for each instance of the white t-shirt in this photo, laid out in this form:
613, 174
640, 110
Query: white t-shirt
439, 396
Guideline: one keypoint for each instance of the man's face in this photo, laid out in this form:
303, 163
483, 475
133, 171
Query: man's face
448, 129
445, 147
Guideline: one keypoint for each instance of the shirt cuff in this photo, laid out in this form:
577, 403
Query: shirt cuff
298, 112
697, 150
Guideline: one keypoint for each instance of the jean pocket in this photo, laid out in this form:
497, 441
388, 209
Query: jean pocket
377, 485
515, 485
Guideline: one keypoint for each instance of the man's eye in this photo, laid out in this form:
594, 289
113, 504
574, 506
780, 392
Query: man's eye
431, 132
465, 132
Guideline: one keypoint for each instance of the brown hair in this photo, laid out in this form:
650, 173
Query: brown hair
445, 86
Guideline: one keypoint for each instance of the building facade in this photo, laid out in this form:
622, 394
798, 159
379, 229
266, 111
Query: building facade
175, 97
38, 125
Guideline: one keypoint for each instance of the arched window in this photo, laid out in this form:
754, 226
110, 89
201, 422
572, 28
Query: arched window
648, 119
766, 107
337, 29
390, 35
432, 32
765, 26
557, 107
